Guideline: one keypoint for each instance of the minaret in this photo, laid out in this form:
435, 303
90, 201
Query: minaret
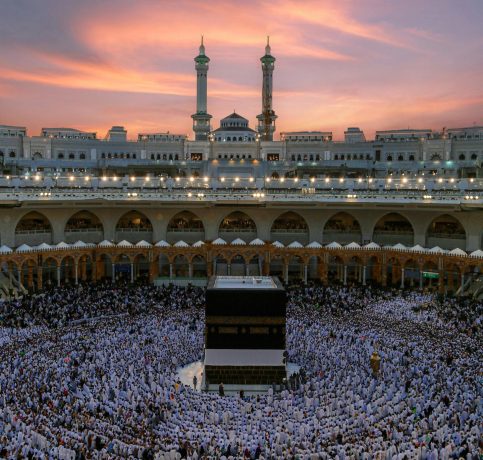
266, 120
201, 119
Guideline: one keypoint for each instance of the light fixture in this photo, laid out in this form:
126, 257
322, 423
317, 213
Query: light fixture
192, 179
267, 179
251, 179
205, 179
133, 178
237, 179
222, 179
296, 180
282, 179
177, 179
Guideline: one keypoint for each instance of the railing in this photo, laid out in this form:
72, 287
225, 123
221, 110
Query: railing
186, 230
134, 230
83, 230
33, 232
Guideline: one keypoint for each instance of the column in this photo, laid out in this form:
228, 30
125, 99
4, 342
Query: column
153, 270
383, 275
190, 270
58, 276
285, 269
420, 279
214, 267
345, 275
170, 271
30, 277
113, 274
132, 272
39, 278
364, 275
305, 273
402, 277
228, 269
266, 266
10, 275
76, 272
462, 283
441, 282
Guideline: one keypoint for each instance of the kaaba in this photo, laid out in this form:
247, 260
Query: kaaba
245, 330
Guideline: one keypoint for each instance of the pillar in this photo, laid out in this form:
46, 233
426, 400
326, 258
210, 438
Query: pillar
441, 282
170, 271
364, 275
247, 269
113, 274
190, 270
39, 278
462, 283
153, 270
383, 275
132, 272
345, 275
58, 275
76, 272
402, 277
214, 266
285, 270
305, 273
420, 279
266, 266
228, 269
30, 277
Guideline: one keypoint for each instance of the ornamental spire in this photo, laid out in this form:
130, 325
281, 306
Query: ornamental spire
202, 47
267, 47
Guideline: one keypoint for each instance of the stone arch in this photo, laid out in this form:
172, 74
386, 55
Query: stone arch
295, 268
255, 265
186, 226
412, 272
33, 228
393, 228
343, 228
429, 272
354, 269
277, 266
85, 226
447, 232
289, 227
237, 224
335, 269
200, 268
220, 265
141, 266
49, 271
67, 269
393, 271
180, 266
134, 226
238, 265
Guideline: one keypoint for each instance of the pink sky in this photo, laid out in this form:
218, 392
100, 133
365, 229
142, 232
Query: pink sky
376, 64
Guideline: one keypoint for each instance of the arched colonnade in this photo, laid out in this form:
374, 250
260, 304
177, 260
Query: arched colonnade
38, 269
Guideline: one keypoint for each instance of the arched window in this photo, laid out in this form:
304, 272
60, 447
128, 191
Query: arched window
164, 156
176, 157
12, 154
71, 156
60, 156
389, 158
317, 157
37, 156
152, 156
336, 157
462, 157
82, 156
474, 156
400, 158
411, 157
170, 157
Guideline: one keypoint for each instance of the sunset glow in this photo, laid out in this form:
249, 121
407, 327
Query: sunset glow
374, 64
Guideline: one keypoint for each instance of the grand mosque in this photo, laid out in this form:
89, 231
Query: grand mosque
403, 208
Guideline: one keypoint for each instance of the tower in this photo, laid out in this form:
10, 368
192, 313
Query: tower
266, 120
201, 119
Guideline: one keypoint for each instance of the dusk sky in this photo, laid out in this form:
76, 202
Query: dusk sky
375, 64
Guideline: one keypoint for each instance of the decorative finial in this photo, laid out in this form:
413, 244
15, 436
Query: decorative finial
202, 47
267, 48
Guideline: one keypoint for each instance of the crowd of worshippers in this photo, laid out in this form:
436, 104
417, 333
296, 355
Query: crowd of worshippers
108, 388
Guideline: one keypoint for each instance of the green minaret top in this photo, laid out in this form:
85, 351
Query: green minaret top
202, 58
268, 53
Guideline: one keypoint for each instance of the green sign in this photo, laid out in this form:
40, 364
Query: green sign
431, 275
